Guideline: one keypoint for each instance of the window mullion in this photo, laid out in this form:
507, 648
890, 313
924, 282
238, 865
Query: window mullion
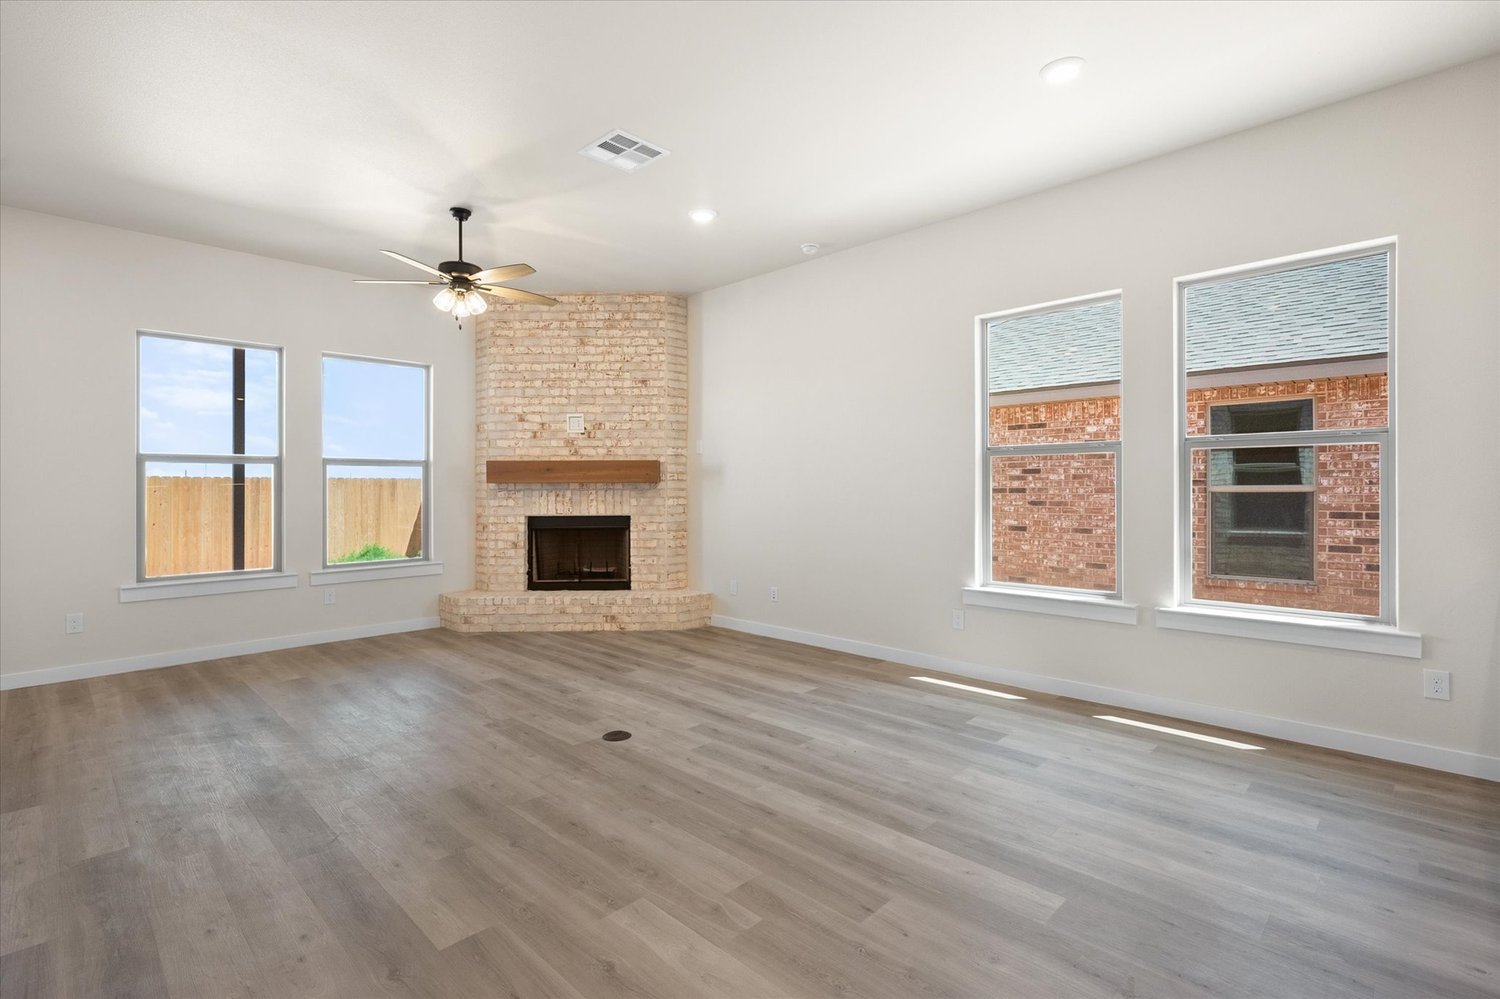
1061, 447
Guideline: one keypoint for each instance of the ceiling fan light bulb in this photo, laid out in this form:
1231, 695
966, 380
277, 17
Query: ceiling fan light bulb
444, 299
477, 304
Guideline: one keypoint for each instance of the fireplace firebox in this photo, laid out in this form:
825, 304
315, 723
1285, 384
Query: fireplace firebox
578, 553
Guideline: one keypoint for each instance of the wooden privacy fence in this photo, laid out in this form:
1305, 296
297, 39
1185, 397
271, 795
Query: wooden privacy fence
189, 521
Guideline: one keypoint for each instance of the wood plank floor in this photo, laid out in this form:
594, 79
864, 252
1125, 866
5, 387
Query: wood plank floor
436, 815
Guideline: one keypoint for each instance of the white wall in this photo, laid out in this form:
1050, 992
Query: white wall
836, 404
72, 296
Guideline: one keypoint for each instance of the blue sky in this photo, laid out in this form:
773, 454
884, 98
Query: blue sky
370, 410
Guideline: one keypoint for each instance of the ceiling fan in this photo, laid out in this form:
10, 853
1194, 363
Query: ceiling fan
463, 284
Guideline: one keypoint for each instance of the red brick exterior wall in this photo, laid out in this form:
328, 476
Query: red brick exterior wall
1346, 504
1054, 516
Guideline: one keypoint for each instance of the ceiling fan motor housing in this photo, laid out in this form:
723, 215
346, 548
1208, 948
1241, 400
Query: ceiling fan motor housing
457, 268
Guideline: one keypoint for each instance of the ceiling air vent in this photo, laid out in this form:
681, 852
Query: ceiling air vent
623, 151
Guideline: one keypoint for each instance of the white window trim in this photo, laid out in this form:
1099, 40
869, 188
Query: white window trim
418, 567
172, 587
357, 572
1039, 599
1324, 632
1056, 602
144, 582
1213, 615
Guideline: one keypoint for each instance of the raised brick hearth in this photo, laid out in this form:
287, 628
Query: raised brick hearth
620, 361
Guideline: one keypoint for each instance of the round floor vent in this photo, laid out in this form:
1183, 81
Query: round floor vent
618, 735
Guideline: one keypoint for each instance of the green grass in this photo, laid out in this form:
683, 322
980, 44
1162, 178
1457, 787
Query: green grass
369, 553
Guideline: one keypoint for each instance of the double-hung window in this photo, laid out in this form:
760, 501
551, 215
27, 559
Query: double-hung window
1286, 449
376, 468
208, 457
1050, 399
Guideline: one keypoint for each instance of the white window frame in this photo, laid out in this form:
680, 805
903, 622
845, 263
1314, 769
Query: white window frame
426, 565
1385, 437
1042, 598
184, 584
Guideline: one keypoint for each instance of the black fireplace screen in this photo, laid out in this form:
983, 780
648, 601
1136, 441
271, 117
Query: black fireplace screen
578, 553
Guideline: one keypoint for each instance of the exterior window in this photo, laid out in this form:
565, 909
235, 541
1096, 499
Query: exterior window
208, 457
375, 461
1261, 499
1051, 460
1286, 449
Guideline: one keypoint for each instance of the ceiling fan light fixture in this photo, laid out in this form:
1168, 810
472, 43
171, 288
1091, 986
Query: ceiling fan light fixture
462, 280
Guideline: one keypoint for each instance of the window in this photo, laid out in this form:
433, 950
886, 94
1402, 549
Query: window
208, 461
1286, 446
1051, 460
1261, 499
375, 462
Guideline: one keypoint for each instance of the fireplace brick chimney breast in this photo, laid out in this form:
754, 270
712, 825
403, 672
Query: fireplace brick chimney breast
621, 361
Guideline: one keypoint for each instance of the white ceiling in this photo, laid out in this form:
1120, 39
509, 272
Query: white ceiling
320, 132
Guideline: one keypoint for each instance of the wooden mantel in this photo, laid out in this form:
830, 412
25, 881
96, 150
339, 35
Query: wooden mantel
578, 470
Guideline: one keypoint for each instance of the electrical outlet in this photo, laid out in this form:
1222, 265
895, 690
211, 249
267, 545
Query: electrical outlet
1435, 684
734, 587
700, 445
575, 423
958, 620
73, 624
774, 596
329, 597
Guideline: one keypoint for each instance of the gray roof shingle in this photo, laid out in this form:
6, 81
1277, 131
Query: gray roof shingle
1312, 313
1071, 346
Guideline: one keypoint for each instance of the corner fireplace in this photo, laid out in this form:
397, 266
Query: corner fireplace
578, 553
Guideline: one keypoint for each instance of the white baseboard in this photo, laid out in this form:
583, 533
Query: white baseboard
156, 660
1454, 761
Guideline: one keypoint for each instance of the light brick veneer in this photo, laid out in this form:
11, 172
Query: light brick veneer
621, 361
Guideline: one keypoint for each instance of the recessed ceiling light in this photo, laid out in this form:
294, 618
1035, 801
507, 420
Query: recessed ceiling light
810, 248
703, 216
1064, 70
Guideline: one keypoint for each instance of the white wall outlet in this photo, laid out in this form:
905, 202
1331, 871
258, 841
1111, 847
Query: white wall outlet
329, 597
700, 445
1435, 684
734, 587
958, 620
73, 624
575, 423
774, 596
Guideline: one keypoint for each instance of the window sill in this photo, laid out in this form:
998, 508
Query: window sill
1329, 634
169, 589
361, 573
1057, 604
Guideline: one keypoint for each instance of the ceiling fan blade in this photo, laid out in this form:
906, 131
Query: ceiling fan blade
517, 295
382, 281
415, 263
507, 273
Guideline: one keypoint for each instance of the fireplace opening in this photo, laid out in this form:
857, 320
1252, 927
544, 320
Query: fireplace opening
578, 553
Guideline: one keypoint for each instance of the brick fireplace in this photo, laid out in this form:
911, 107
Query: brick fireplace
619, 361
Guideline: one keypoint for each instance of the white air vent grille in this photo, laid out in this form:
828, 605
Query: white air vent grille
623, 151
